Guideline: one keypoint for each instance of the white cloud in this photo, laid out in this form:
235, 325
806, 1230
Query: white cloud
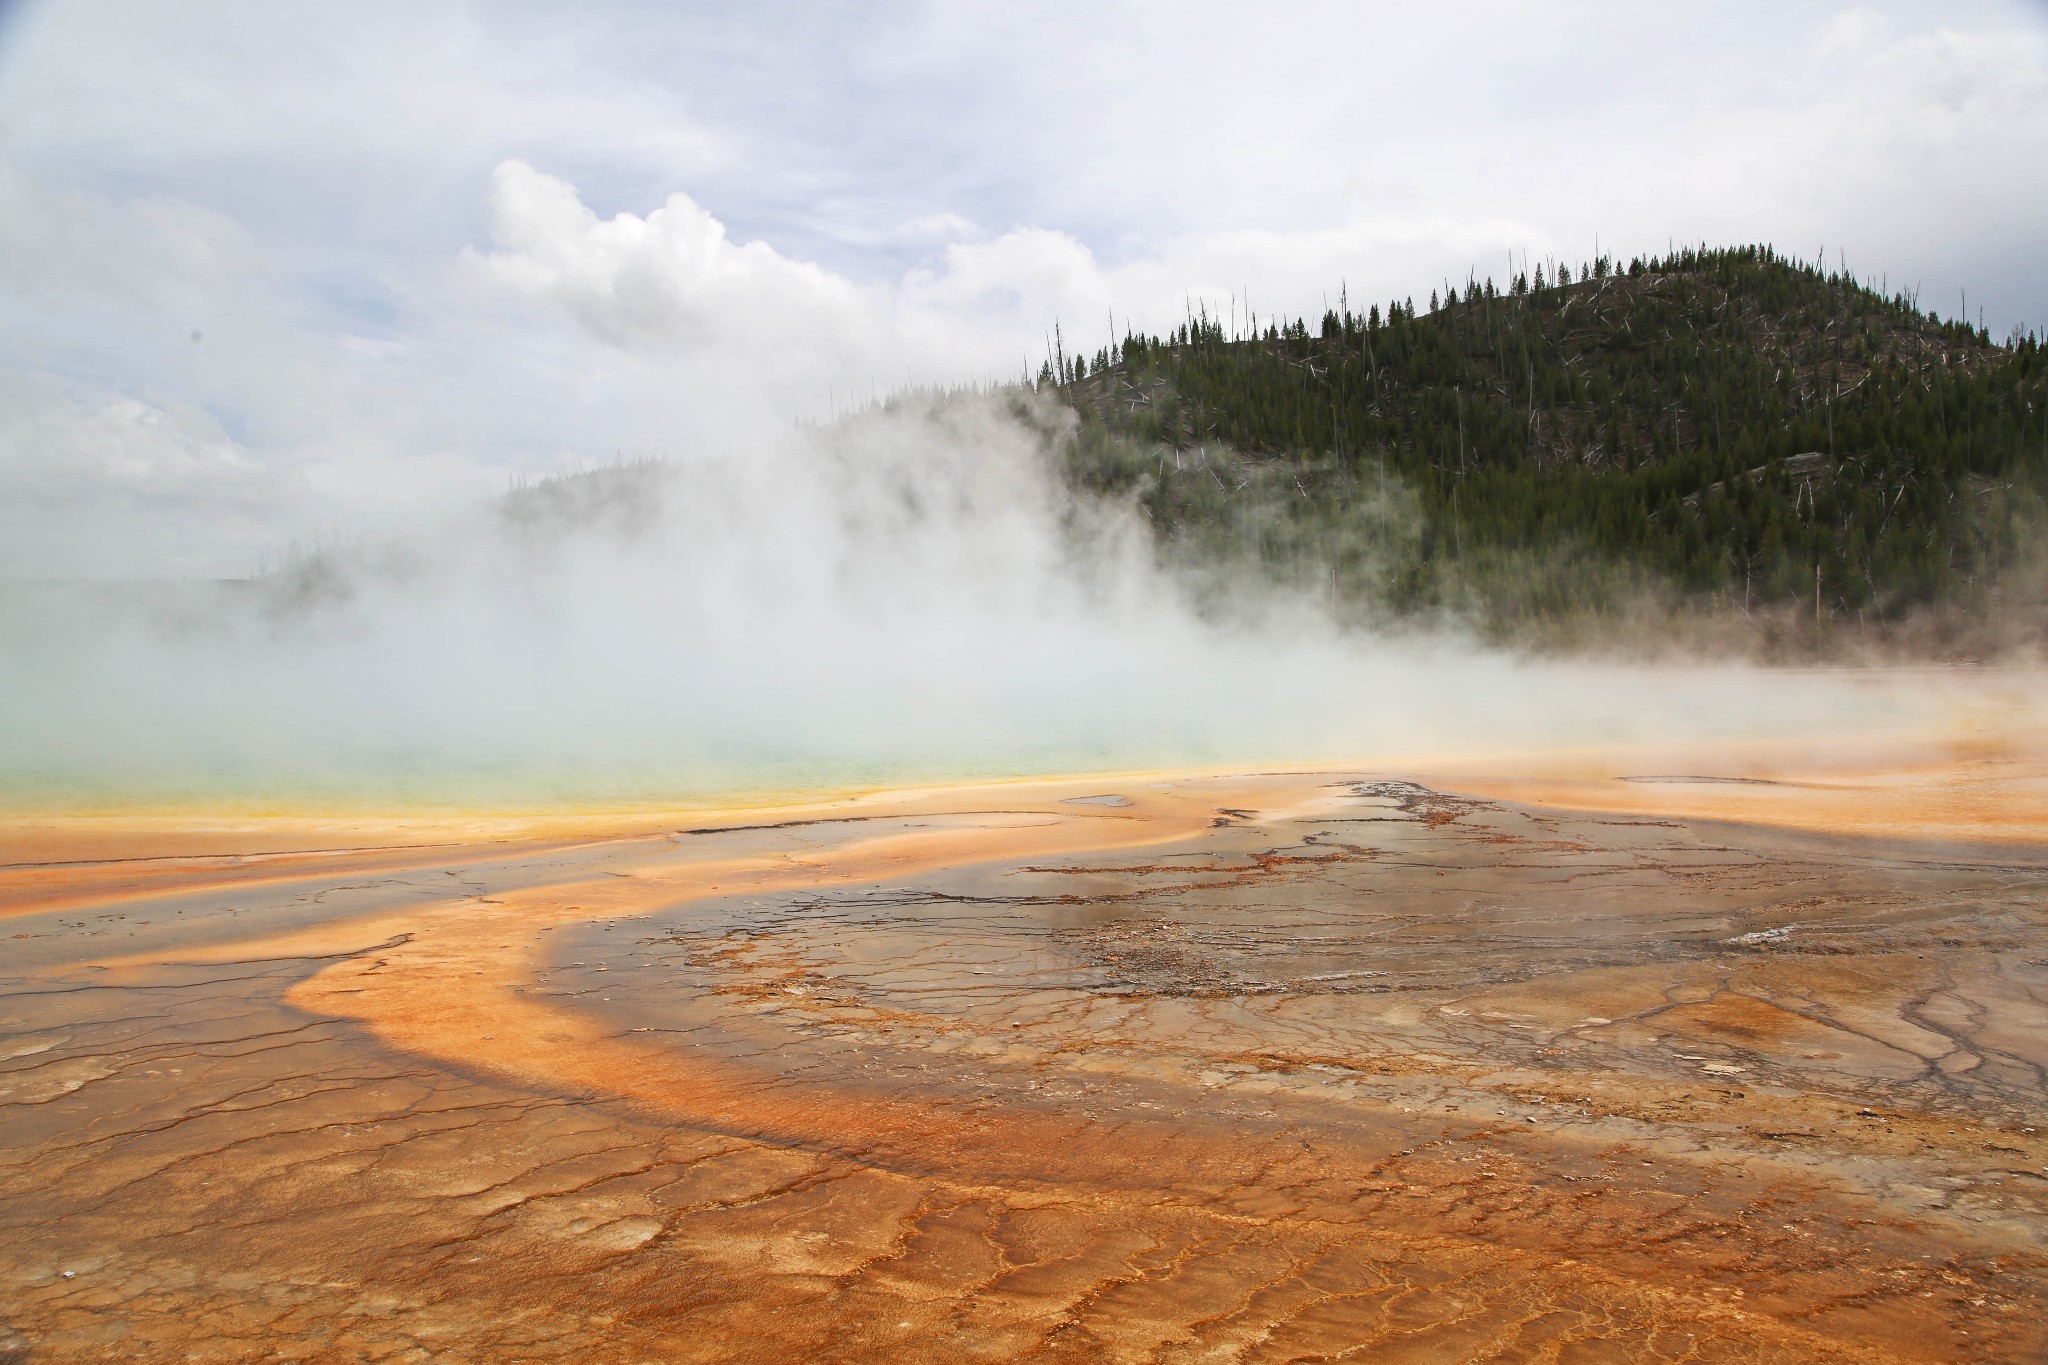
101, 484
668, 277
675, 281
1853, 32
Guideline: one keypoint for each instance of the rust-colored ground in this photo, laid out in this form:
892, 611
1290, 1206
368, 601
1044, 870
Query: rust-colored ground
1544, 1062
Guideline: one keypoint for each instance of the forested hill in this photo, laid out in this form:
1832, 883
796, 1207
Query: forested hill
1717, 436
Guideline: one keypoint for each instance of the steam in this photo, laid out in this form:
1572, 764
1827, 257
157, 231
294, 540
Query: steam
909, 594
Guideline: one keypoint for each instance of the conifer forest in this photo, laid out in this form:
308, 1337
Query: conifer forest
1728, 444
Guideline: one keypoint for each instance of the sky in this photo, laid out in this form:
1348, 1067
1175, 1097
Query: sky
277, 273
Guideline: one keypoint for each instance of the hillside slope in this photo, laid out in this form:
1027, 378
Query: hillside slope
1727, 441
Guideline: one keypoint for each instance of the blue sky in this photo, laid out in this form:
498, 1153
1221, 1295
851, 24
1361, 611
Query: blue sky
431, 245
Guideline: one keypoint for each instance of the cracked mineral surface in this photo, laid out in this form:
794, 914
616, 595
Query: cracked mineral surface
1604, 1063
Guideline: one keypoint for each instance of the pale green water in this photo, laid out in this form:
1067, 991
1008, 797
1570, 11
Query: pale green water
1439, 711
427, 791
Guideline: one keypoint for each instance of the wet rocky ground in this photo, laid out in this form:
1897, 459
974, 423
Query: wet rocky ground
1275, 1068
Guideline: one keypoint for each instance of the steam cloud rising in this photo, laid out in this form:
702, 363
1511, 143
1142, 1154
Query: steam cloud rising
906, 594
